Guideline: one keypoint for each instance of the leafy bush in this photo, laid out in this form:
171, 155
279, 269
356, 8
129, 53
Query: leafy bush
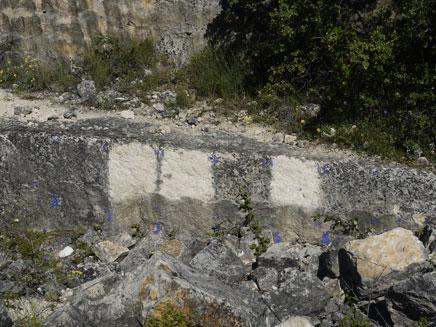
366, 63
29, 74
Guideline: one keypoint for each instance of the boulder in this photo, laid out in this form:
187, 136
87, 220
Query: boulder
298, 293
127, 299
219, 260
5, 320
378, 262
285, 255
108, 251
265, 278
22, 110
87, 90
415, 298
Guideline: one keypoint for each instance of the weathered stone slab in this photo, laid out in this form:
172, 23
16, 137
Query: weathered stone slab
115, 173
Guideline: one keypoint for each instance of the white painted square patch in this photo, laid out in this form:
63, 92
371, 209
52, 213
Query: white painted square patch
295, 182
132, 171
187, 173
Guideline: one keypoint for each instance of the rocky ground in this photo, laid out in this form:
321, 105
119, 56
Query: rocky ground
160, 110
83, 279
243, 276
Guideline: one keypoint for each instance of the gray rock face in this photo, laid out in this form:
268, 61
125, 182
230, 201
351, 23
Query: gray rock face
108, 251
47, 29
87, 171
218, 260
285, 255
415, 297
266, 278
5, 320
328, 260
123, 301
298, 293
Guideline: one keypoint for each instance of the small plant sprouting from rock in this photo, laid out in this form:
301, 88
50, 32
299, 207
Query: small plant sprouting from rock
422, 322
169, 316
348, 227
255, 226
354, 319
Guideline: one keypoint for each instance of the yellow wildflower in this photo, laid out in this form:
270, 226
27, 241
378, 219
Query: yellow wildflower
318, 130
302, 122
246, 119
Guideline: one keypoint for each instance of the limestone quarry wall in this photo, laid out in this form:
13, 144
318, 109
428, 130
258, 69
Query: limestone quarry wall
115, 173
47, 28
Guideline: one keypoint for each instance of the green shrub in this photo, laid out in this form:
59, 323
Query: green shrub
29, 74
367, 64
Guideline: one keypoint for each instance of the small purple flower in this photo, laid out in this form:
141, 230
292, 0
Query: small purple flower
213, 158
55, 201
375, 172
46, 257
105, 147
109, 218
160, 153
427, 221
398, 220
323, 170
45, 230
267, 163
325, 239
277, 238
158, 228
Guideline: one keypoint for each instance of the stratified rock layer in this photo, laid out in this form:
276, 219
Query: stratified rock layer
50, 28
